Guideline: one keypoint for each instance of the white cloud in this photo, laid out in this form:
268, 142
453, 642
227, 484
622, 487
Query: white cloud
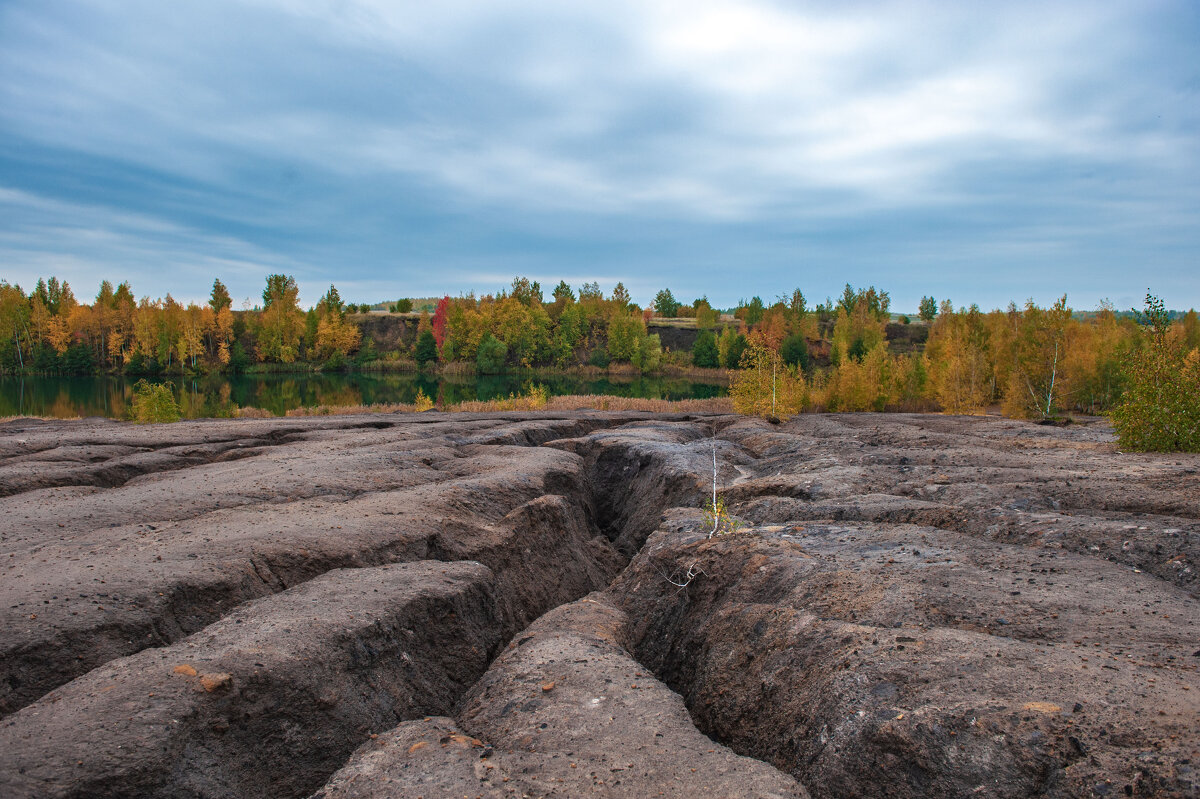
777, 101
745, 114
86, 243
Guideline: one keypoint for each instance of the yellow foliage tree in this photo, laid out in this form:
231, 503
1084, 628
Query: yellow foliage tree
336, 337
960, 373
281, 322
862, 386
765, 386
58, 333
1034, 387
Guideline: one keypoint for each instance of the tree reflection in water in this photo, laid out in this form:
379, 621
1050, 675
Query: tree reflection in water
220, 395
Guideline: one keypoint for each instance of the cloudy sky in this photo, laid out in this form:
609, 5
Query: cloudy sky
984, 152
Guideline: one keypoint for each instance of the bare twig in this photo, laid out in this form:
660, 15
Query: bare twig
691, 574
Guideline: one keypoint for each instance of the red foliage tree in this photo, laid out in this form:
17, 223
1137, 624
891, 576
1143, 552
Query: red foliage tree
439, 320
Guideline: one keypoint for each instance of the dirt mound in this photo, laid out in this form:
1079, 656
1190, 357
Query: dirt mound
896, 661
90, 576
268, 700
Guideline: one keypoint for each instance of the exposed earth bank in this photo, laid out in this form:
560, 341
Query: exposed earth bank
531, 605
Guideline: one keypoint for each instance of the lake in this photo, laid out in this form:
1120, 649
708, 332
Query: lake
216, 395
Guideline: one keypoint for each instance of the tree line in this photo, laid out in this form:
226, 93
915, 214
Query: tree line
49, 331
1029, 360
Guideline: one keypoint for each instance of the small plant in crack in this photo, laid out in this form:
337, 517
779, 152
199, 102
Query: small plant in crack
717, 522
716, 517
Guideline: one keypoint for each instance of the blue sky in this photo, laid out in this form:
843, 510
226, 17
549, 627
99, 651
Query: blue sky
984, 152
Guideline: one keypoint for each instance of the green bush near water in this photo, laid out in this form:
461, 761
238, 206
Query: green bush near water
153, 403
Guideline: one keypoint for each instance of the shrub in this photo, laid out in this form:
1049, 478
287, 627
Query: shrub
732, 346
795, 351
717, 518
422, 402
153, 403
647, 357
625, 332
704, 352
426, 351
1160, 411
492, 355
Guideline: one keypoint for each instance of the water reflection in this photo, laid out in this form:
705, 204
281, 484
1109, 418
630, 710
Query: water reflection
219, 395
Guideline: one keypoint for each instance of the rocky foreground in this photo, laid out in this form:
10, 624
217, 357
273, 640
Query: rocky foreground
505, 605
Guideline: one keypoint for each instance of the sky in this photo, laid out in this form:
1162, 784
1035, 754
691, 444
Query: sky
978, 152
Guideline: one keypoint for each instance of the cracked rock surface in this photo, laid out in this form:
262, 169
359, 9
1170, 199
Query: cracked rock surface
526, 604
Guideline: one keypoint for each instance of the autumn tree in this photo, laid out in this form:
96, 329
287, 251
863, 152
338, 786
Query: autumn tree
190, 342
863, 384
1033, 387
563, 296
1093, 373
706, 316
120, 335
731, 344
569, 335
765, 386
590, 292
802, 319
861, 322
1189, 329
438, 321
524, 329
1160, 411
624, 334
335, 337
927, 309
647, 353
14, 324
957, 364
526, 292
750, 312
281, 322
620, 299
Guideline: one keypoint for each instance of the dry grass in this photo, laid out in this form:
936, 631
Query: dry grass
252, 413
606, 402
28, 417
458, 369
341, 410
623, 370
526, 402
533, 400
698, 373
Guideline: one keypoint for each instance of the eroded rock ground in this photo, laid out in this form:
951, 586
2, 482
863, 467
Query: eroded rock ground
531, 605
